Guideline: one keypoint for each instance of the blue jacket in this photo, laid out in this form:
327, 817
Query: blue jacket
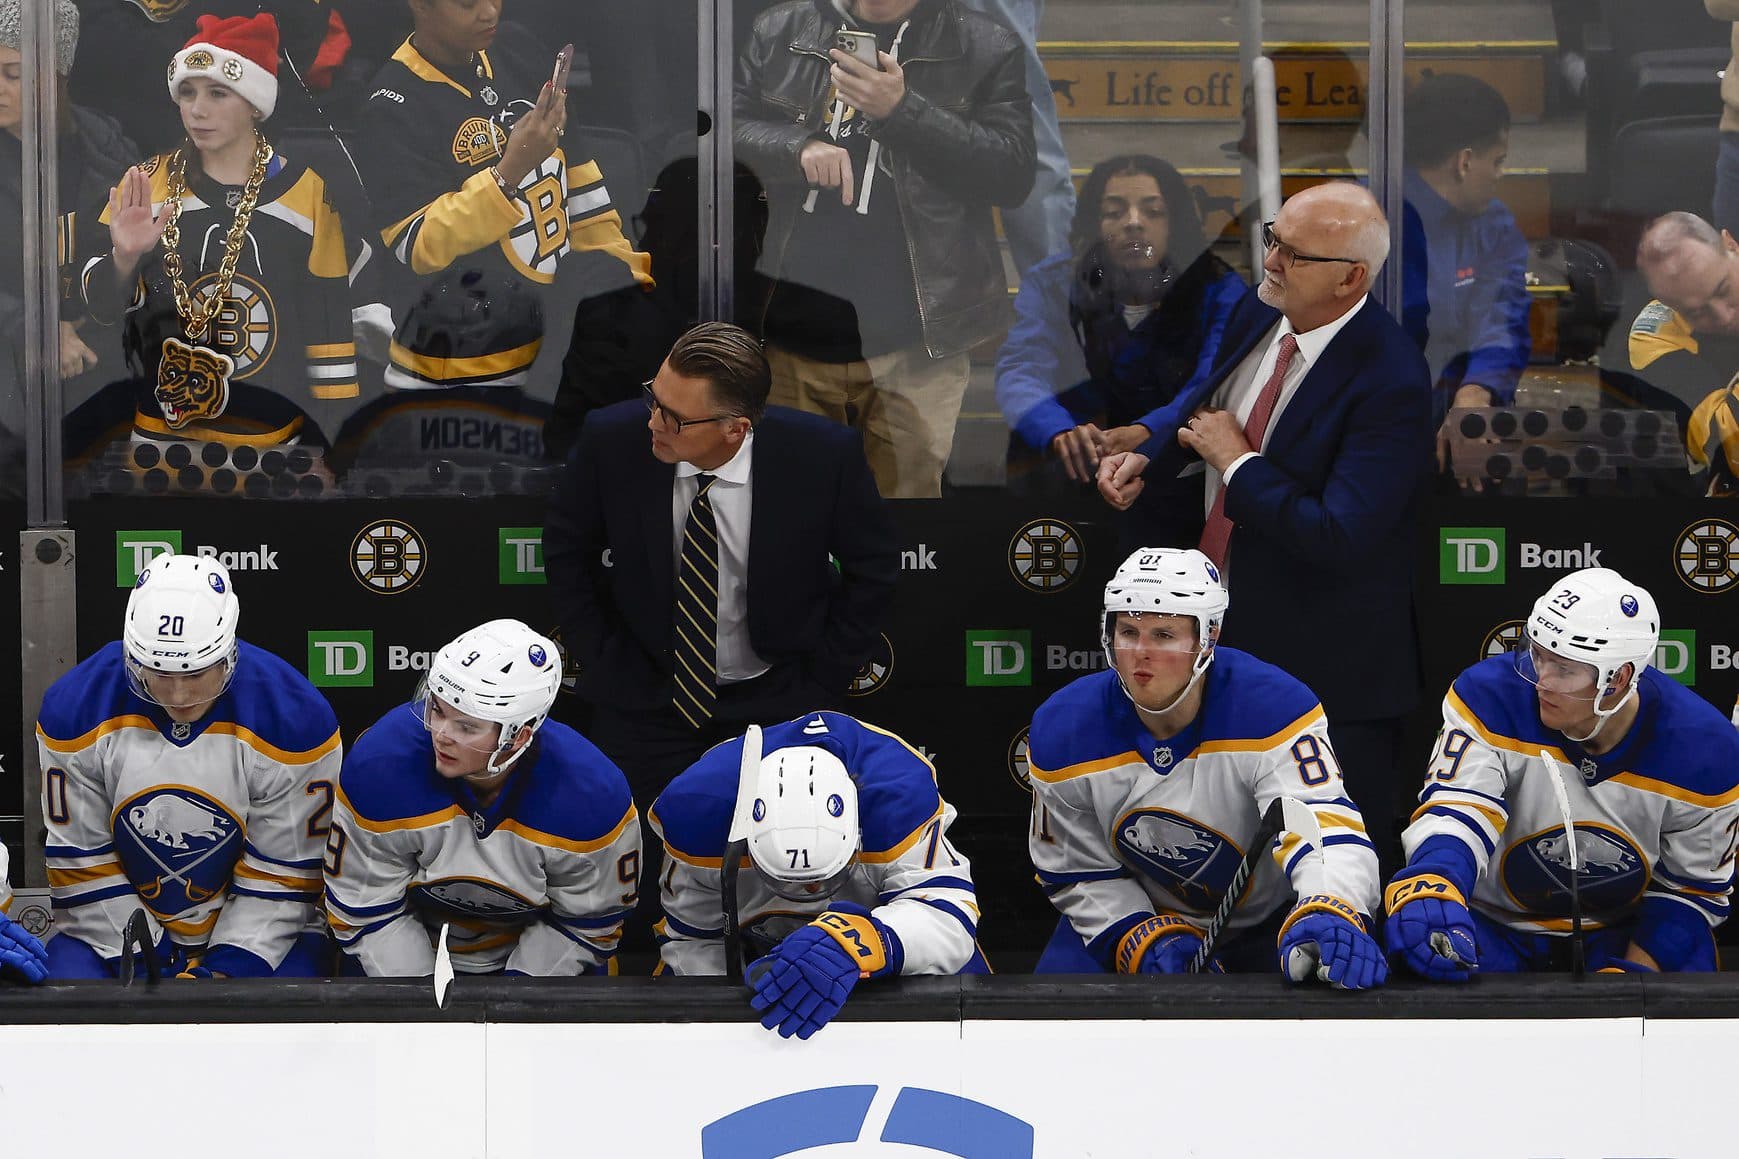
1464, 293
1325, 519
1043, 384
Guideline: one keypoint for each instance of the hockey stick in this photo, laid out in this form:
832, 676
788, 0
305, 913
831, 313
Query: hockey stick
137, 934
1272, 820
443, 968
736, 848
1300, 820
1578, 955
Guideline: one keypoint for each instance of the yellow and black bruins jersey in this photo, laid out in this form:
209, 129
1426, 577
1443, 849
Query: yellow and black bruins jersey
286, 327
479, 256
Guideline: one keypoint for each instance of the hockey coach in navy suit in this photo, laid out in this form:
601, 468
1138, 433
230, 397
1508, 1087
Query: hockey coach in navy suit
688, 553
1303, 461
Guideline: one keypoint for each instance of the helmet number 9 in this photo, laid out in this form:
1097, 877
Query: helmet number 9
1565, 600
171, 626
469, 660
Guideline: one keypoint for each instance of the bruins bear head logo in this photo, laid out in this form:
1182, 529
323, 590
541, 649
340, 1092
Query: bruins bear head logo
192, 383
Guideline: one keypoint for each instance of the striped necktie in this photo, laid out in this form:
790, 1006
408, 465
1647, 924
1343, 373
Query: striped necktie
697, 610
1217, 535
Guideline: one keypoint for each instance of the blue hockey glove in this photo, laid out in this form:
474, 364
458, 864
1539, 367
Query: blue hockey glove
1430, 928
1160, 945
21, 955
805, 981
1324, 937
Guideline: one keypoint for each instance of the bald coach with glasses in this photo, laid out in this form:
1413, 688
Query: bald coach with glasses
1306, 452
688, 553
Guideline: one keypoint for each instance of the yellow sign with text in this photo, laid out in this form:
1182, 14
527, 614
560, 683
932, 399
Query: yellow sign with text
1328, 86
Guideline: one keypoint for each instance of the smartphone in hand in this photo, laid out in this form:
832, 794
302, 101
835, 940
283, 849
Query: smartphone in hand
859, 45
564, 61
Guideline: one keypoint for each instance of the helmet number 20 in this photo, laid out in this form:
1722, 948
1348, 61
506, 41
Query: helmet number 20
171, 626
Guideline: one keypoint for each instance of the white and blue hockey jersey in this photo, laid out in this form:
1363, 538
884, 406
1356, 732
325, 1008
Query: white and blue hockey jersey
536, 883
1656, 817
1125, 826
907, 873
214, 827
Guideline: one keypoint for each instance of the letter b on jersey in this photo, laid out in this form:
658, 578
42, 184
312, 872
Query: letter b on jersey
999, 658
341, 659
1470, 555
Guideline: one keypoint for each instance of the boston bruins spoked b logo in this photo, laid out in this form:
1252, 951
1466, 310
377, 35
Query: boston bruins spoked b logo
388, 557
1019, 766
1502, 639
1045, 555
876, 671
1185, 857
1706, 556
1536, 870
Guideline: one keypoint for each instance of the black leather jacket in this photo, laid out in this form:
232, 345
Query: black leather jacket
960, 142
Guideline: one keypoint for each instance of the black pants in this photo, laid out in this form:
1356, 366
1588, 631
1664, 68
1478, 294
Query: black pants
1378, 781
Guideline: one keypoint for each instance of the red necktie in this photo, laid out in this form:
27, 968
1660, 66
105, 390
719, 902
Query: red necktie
1217, 535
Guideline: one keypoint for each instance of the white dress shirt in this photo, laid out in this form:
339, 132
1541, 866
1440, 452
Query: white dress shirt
733, 504
1239, 392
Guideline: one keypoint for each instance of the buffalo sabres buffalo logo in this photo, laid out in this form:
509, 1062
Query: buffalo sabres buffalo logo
179, 847
192, 383
1536, 870
1190, 860
478, 140
769, 929
468, 899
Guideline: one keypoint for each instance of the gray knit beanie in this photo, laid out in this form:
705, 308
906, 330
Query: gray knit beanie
65, 31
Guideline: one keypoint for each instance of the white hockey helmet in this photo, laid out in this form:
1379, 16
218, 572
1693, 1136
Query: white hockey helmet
502, 672
181, 619
1596, 617
1168, 581
803, 831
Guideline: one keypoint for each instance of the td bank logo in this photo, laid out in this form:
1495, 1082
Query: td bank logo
520, 552
341, 659
135, 549
1470, 555
1676, 654
998, 658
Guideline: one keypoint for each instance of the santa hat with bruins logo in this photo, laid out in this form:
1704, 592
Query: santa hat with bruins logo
238, 52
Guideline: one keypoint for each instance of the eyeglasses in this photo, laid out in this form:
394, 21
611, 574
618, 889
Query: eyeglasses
669, 421
1290, 257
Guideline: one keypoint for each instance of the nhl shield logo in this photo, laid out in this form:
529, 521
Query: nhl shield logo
1590, 770
1706, 556
1162, 757
1045, 556
388, 557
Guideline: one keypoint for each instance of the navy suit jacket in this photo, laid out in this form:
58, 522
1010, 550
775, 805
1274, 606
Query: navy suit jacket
813, 496
1321, 557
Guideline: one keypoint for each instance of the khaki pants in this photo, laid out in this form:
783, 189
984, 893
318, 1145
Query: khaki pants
905, 403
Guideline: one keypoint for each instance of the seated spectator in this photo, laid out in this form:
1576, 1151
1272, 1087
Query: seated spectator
850, 875
92, 156
227, 263
1464, 276
1686, 341
1650, 773
881, 237
189, 775
468, 809
1151, 779
1110, 330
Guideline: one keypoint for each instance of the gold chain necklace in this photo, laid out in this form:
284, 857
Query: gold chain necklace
198, 315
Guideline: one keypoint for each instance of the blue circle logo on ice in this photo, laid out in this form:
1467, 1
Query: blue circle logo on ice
179, 847
1184, 856
919, 1122
1535, 871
